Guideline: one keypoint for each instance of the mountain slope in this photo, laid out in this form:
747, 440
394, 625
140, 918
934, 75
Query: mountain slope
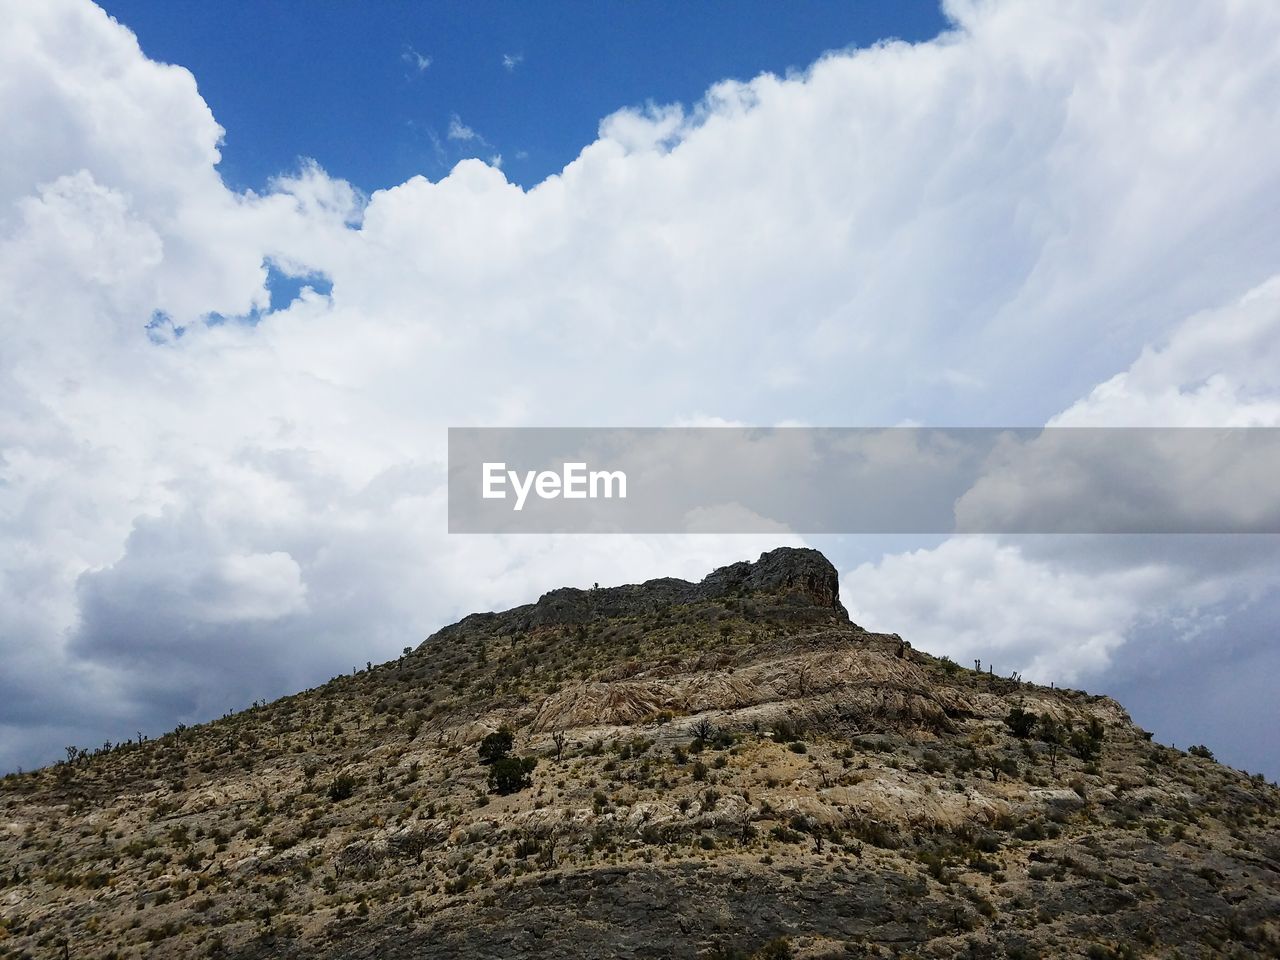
729, 768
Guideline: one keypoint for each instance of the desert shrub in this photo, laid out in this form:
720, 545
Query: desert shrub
776, 949
785, 731
779, 948
987, 843
457, 885
1020, 721
342, 787
703, 730
511, 774
496, 746
935, 865
1050, 731
1100, 951
1037, 830
527, 847
786, 835
875, 833
932, 763
1087, 743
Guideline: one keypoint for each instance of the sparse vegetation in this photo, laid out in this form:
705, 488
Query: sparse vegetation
762, 778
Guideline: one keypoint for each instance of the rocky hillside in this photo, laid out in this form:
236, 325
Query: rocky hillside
722, 769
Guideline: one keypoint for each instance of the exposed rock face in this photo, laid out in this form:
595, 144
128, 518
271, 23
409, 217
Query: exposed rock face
720, 766
800, 578
869, 687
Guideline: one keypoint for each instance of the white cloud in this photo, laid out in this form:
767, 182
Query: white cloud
976, 230
1052, 613
1061, 609
459, 130
418, 61
976, 598
1215, 369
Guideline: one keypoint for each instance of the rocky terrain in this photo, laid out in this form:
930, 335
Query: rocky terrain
728, 769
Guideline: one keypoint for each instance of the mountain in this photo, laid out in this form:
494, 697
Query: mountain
723, 769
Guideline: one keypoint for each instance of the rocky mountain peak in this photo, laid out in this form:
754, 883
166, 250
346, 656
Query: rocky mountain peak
721, 769
801, 581
797, 572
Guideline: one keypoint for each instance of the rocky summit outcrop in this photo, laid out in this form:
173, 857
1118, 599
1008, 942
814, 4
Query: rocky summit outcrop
800, 579
801, 576
727, 768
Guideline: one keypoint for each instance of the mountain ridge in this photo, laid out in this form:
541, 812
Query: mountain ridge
724, 769
797, 573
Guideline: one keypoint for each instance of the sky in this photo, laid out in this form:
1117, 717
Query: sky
253, 266
377, 96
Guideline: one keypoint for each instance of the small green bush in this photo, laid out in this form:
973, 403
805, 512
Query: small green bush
342, 787
496, 746
1020, 721
511, 774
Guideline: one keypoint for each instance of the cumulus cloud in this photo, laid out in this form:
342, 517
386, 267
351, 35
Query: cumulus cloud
1064, 609
1070, 603
980, 230
976, 598
1050, 611
1215, 369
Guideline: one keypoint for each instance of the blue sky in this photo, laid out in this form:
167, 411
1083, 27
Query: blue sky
346, 83
1051, 214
